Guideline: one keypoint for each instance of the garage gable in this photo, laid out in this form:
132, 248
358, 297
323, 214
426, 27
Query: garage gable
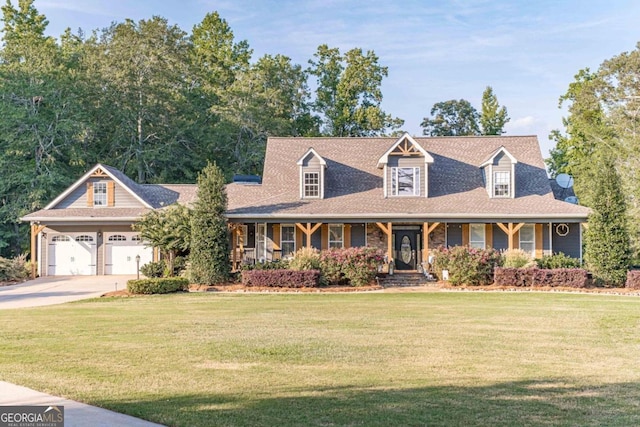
102, 187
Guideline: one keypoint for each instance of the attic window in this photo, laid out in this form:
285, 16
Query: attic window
99, 194
311, 184
501, 184
405, 181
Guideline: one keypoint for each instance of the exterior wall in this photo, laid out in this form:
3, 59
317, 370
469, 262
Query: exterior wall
78, 197
500, 238
358, 235
438, 237
454, 234
569, 244
311, 163
376, 238
395, 161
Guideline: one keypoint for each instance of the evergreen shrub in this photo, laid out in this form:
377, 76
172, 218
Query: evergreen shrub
163, 285
281, 278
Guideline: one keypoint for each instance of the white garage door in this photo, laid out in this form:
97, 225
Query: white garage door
72, 254
121, 250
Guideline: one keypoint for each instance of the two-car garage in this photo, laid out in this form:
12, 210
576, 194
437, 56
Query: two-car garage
91, 253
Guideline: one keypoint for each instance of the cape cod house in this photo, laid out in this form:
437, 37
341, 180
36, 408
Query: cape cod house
403, 195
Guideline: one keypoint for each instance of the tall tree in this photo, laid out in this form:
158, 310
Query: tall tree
144, 73
493, 117
451, 118
40, 121
348, 94
607, 237
209, 234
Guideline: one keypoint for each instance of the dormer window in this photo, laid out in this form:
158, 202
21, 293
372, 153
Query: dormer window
405, 181
311, 184
498, 172
312, 167
501, 184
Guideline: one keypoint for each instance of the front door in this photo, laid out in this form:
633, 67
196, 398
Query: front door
406, 249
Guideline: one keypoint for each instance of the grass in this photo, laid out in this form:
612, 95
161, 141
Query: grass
376, 359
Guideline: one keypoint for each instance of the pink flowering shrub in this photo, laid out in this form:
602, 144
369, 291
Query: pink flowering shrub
467, 266
353, 266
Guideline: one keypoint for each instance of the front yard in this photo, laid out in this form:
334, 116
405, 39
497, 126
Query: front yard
369, 359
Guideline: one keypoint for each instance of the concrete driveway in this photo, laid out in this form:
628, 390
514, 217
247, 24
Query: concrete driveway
58, 289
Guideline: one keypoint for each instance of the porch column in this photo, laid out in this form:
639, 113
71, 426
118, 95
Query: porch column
308, 230
511, 229
386, 229
426, 231
35, 230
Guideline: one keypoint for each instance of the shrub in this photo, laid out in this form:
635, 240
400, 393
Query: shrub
353, 266
558, 260
305, 259
281, 264
281, 278
532, 277
517, 258
154, 269
633, 279
163, 285
467, 266
14, 269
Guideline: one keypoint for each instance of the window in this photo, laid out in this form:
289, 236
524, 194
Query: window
476, 236
311, 184
288, 240
336, 235
61, 238
405, 181
528, 239
136, 238
261, 242
501, 184
117, 238
99, 194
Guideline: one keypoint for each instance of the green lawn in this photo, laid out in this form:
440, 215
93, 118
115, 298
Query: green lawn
363, 359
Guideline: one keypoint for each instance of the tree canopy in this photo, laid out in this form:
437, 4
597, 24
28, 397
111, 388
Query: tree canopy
159, 103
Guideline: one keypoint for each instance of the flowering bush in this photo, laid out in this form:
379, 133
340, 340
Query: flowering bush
354, 266
467, 266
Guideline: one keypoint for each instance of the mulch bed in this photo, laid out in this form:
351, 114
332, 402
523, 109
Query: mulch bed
432, 287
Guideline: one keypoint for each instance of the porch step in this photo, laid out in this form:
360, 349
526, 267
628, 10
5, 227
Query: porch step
405, 279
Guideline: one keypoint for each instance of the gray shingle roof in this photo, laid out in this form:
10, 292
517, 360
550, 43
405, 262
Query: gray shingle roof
354, 183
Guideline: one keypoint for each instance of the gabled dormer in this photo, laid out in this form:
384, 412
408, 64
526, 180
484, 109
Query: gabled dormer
312, 167
406, 169
499, 173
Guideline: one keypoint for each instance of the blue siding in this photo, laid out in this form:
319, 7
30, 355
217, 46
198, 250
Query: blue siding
358, 235
569, 244
500, 239
454, 234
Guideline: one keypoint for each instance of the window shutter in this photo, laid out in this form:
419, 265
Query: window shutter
488, 235
111, 193
324, 230
539, 241
465, 235
90, 194
276, 237
347, 235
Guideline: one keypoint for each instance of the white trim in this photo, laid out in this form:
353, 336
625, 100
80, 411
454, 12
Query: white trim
385, 181
533, 250
84, 179
385, 157
294, 239
484, 236
491, 157
329, 234
315, 153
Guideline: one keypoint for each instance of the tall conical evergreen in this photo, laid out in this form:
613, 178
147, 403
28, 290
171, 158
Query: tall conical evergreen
493, 117
209, 235
608, 252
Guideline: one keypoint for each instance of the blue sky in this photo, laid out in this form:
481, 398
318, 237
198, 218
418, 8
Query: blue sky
528, 51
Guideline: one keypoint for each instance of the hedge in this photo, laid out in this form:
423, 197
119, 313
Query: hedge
535, 277
281, 278
633, 279
162, 285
